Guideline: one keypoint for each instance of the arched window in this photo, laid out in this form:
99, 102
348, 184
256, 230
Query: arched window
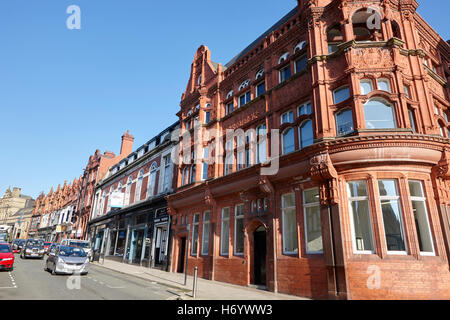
244, 84
379, 114
283, 57
384, 84
344, 122
341, 94
259, 74
137, 195
299, 46
152, 180
128, 190
365, 23
288, 141
366, 86
306, 134
230, 94
199, 80
334, 38
396, 30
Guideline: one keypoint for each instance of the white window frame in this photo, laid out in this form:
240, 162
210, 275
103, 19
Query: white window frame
151, 184
283, 226
290, 114
385, 80
425, 205
283, 57
352, 224
402, 219
195, 224
206, 222
304, 105
236, 218
370, 82
311, 205
222, 240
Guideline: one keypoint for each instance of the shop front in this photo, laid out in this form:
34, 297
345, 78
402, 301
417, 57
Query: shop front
137, 235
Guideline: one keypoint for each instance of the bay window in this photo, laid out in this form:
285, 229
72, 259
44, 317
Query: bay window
379, 115
344, 122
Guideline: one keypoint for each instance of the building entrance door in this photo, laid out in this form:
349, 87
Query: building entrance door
260, 256
182, 255
136, 245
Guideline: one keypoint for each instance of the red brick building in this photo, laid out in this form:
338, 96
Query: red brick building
360, 205
95, 170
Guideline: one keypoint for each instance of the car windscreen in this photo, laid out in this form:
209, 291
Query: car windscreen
65, 251
4, 248
47, 243
22, 242
84, 245
35, 243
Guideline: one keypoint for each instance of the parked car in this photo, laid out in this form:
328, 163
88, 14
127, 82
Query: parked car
6, 257
18, 245
33, 248
52, 246
84, 244
67, 260
47, 246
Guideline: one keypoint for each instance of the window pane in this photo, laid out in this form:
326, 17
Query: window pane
393, 225
205, 244
412, 120
300, 64
422, 226
361, 225
388, 188
288, 200
225, 231
311, 196
384, 85
341, 95
415, 189
306, 134
344, 122
313, 229
261, 89
288, 141
239, 235
379, 115
366, 87
289, 231
357, 189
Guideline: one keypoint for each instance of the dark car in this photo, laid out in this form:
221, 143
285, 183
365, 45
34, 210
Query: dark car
33, 248
18, 245
47, 247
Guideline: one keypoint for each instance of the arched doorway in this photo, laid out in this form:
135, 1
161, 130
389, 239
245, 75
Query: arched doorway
259, 256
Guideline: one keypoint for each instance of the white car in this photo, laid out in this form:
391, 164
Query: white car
84, 244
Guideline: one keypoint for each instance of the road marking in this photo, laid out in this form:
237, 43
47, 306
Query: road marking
12, 281
115, 287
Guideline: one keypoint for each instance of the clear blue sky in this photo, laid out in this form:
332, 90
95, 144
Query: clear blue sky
65, 93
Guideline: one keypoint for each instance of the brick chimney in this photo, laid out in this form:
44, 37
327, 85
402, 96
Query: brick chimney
127, 144
16, 192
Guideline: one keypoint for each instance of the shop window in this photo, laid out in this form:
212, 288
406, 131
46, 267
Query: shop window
360, 217
344, 122
306, 134
205, 233
313, 227
384, 85
392, 216
304, 109
239, 230
194, 242
285, 74
288, 141
225, 232
341, 94
366, 86
289, 221
379, 115
422, 223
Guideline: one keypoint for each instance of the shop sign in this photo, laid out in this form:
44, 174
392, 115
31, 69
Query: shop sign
117, 199
58, 229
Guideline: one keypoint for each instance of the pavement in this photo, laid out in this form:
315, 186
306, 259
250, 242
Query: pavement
29, 281
206, 289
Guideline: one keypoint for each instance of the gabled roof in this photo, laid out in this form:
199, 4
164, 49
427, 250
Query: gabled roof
265, 34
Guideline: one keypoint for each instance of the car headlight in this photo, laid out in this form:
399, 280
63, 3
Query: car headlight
41, 251
61, 261
8, 259
28, 250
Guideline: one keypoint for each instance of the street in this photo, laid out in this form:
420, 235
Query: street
29, 281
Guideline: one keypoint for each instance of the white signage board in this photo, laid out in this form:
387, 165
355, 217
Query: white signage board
117, 199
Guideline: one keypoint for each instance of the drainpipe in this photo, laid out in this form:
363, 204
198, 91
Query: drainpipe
333, 244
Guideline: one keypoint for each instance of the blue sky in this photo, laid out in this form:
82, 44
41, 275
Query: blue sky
65, 93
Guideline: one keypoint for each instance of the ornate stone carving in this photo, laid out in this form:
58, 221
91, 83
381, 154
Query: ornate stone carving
372, 58
442, 169
322, 170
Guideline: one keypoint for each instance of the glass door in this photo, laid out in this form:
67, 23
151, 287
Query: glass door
136, 245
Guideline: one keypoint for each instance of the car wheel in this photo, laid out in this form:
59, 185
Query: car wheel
84, 273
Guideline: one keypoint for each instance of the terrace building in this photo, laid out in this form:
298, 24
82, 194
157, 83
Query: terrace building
351, 105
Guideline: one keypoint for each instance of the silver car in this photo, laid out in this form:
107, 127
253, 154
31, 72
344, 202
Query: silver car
67, 260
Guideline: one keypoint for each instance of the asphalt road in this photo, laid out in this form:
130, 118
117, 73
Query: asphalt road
29, 281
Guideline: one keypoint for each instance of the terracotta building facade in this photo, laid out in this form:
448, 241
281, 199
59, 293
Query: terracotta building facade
335, 182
